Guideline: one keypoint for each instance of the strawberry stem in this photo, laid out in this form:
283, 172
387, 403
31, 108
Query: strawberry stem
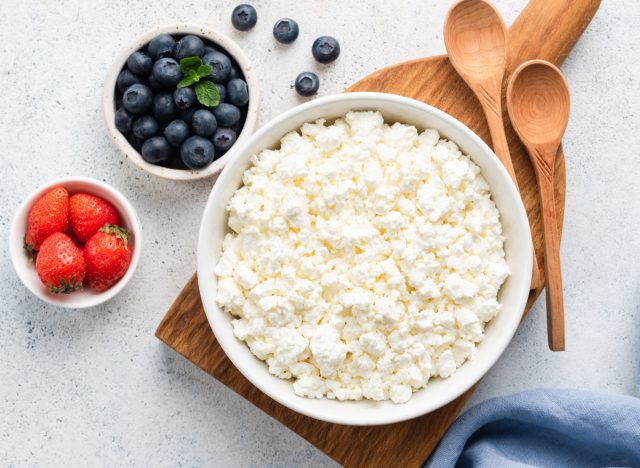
66, 287
117, 231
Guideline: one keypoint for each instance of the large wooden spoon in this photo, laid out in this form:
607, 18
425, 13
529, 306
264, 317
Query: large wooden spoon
538, 105
476, 39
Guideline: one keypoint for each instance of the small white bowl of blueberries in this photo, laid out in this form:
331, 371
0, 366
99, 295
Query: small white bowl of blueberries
179, 99
182, 98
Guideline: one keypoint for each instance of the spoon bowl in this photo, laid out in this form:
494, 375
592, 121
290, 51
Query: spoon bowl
476, 39
539, 102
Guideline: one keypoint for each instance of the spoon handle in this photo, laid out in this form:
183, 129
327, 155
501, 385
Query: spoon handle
493, 112
555, 305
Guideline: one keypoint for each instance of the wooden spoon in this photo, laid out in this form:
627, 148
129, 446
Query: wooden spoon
476, 39
538, 105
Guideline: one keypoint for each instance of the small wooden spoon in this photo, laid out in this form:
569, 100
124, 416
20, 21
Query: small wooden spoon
476, 40
538, 105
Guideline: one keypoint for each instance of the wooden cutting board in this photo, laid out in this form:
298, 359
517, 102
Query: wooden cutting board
546, 29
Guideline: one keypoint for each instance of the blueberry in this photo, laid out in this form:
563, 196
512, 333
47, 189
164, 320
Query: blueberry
221, 66
237, 92
186, 115
140, 63
234, 72
155, 84
126, 79
223, 139
167, 72
164, 109
145, 127
161, 46
197, 152
123, 120
135, 142
286, 30
156, 150
244, 17
138, 98
325, 49
204, 123
207, 49
189, 46
307, 84
176, 132
184, 98
222, 91
227, 115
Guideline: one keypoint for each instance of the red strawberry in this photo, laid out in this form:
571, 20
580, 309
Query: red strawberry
108, 257
49, 214
88, 213
60, 264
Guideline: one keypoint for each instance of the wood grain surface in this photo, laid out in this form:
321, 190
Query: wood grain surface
545, 29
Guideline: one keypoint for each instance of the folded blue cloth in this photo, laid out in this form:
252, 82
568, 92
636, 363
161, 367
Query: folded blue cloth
554, 428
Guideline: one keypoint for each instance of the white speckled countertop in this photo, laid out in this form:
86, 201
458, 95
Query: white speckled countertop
97, 388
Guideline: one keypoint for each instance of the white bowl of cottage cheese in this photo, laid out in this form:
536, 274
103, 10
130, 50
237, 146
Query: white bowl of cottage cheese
364, 259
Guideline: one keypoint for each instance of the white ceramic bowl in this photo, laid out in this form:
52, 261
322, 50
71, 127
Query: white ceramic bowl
513, 295
25, 267
108, 101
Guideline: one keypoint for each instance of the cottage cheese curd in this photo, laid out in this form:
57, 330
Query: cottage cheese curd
364, 258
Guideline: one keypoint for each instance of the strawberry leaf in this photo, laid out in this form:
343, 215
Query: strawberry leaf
117, 231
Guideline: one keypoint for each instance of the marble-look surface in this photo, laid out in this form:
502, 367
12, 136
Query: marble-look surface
95, 387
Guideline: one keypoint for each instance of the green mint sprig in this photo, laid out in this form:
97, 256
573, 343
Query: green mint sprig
195, 73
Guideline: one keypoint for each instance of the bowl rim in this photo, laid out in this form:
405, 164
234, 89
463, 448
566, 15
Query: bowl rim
16, 234
213, 312
108, 99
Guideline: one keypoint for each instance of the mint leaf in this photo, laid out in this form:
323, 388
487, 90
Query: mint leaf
207, 93
204, 70
190, 63
190, 77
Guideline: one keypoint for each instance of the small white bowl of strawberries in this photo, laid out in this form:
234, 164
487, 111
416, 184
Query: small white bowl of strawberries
75, 242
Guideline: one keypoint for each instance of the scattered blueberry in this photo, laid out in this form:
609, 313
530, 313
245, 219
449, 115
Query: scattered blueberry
197, 152
145, 127
167, 72
137, 98
161, 46
244, 17
140, 63
123, 120
307, 84
184, 97
222, 91
156, 150
227, 115
223, 139
126, 79
286, 30
237, 92
204, 123
164, 109
189, 46
325, 49
221, 66
176, 132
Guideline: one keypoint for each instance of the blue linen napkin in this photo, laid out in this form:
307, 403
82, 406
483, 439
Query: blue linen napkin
554, 428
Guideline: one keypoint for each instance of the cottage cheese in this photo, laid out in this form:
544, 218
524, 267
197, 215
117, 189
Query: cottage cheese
364, 258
